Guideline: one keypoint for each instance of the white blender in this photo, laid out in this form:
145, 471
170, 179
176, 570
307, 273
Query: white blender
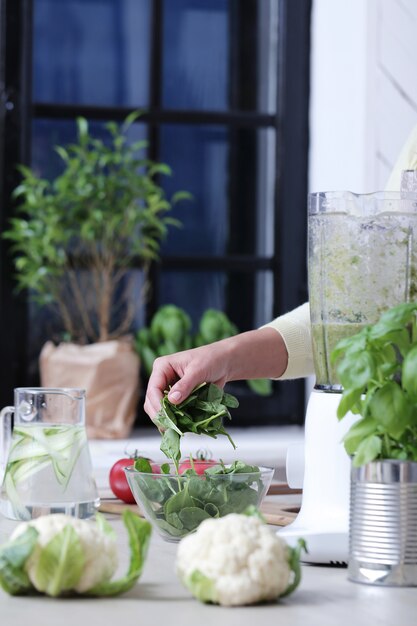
362, 259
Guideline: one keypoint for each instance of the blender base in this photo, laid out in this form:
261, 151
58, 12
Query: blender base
323, 520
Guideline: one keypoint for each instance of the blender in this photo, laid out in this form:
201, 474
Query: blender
362, 260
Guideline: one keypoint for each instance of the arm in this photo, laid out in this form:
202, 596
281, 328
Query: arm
254, 354
280, 350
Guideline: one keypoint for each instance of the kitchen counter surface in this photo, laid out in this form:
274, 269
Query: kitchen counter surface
325, 598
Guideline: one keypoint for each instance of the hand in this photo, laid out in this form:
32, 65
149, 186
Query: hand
254, 354
185, 370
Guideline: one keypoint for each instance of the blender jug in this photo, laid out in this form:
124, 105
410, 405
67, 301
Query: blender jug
45, 456
362, 260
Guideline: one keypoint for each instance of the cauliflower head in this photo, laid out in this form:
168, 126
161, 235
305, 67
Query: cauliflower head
235, 560
60, 555
99, 550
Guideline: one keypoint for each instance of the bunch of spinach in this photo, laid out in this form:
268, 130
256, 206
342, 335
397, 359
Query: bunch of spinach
377, 368
178, 504
202, 413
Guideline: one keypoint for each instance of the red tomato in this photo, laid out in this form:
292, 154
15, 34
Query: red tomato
200, 465
118, 481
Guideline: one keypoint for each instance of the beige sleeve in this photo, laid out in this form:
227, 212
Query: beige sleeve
295, 329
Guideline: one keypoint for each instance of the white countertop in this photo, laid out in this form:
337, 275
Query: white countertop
324, 598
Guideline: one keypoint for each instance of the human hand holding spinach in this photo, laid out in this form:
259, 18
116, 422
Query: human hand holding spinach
378, 371
202, 413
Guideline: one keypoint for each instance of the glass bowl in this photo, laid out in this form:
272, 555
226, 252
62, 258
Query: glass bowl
176, 504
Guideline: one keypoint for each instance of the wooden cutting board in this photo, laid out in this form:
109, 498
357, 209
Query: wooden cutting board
277, 514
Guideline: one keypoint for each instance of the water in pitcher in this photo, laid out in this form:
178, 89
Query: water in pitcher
48, 471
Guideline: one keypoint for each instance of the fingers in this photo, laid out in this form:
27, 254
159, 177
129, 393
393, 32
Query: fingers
183, 371
184, 387
175, 371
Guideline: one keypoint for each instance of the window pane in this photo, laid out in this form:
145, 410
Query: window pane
195, 61
92, 51
193, 291
198, 157
231, 175
196, 291
220, 55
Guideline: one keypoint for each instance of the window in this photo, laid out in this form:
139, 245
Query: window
224, 89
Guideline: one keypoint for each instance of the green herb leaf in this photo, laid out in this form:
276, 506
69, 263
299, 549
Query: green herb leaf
359, 431
377, 368
357, 371
368, 450
170, 445
390, 408
200, 413
409, 374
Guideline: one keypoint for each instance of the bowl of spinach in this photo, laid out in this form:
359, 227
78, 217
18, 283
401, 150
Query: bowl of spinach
176, 504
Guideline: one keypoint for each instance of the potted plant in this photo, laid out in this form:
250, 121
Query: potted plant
74, 239
378, 371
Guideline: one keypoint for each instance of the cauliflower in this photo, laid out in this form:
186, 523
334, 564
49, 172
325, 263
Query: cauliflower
59, 554
237, 560
99, 550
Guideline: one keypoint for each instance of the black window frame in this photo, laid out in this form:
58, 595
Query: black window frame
290, 124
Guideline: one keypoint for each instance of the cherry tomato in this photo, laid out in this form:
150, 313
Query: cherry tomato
118, 481
200, 465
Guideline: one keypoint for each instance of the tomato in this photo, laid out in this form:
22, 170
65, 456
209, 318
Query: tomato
200, 465
118, 481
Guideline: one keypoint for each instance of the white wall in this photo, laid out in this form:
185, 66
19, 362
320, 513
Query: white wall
363, 90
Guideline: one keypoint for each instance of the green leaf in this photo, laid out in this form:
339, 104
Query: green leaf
191, 517
409, 374
356, 370
398, 316
170, 445
349, 402
178, 502
230, 401
82, 127
139, 532
60, 563
368, 450
353, 344
390, 408
13, 556
357, 432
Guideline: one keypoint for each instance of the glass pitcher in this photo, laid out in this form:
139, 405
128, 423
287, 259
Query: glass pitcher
362, 260
45, 456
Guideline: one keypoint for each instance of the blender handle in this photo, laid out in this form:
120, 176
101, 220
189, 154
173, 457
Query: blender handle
5, 436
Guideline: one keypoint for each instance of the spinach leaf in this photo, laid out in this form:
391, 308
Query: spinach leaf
201, 413
191, 517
